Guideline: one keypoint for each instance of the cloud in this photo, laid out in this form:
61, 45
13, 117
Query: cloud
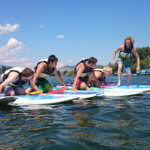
9, 54
60, 36
60, 65
8, 28
69, 61
11, 48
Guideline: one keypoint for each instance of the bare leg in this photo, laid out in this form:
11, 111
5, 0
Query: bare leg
119, 73
128, 78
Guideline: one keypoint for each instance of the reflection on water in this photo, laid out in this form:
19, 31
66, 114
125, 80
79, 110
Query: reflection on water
98, 123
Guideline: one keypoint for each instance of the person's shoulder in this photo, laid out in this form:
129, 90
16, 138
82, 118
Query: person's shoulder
97, 72
134, 49
42, 66
15, 74
121, 47
80, 66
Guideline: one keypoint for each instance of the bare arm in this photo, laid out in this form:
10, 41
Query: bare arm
40, 69
79, 72
13, 76
115, 52
59, 78
137, 58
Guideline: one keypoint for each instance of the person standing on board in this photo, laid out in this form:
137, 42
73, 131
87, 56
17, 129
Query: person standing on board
12, 81
43, 69
81, 71
126, 52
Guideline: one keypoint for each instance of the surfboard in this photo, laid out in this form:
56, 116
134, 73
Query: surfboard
55, 91
82, 94
142, 88
122, 90
119, 93
5, 100
42, 99
78, 94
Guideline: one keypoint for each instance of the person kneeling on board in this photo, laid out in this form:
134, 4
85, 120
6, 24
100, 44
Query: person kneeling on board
81, 71
98, 76
45, 68
12, 81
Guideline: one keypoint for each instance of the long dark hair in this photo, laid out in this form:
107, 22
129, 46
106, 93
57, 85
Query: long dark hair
131, 43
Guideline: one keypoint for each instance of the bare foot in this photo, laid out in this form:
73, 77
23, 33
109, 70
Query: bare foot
118, 84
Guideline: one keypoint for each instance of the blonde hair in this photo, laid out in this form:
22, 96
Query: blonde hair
107, 69
129, 38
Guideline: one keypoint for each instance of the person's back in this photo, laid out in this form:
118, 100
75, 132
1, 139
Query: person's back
13, 79
98, 77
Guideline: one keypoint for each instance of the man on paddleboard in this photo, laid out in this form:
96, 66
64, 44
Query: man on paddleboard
126, 52
45, 68
81, 71
12, 81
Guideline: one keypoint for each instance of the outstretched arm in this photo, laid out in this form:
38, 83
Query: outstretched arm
59, 78
137, 58
115, 52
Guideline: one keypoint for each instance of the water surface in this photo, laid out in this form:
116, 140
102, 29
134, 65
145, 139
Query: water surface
98, 123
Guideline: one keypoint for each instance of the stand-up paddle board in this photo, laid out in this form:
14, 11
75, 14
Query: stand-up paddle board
82, 94
117, 91
42, 99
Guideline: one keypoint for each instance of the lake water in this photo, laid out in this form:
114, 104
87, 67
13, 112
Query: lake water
94, 124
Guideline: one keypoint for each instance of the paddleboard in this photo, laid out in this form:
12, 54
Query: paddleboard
5, 100
122, 90
79, 95
119, 93
142, 88
42, 99
82, 94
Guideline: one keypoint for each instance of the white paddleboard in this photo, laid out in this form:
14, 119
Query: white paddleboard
141, 88
82, 94
42, 99
115, 94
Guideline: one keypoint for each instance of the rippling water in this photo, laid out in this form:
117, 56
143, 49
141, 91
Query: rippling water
98, 123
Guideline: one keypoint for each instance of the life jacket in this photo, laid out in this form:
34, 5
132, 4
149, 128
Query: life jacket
48, 70
126, 53
125, 56
18, 70
84, 76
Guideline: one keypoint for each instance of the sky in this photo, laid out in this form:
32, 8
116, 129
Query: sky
31, 30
